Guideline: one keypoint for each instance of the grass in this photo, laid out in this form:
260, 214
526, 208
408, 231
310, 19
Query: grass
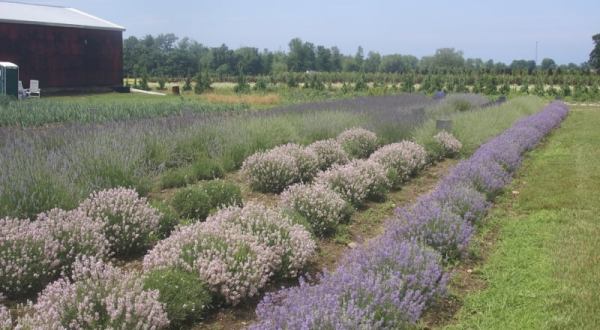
268, 99
544, 271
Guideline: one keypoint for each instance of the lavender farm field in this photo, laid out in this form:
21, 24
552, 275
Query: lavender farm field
313, 165
57, 166
289, 244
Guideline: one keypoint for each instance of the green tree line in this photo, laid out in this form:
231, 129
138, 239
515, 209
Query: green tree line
166, 55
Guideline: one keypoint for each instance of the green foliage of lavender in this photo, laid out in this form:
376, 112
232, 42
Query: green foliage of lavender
113, 107
192, 203
185, 297
222, 193
195, 203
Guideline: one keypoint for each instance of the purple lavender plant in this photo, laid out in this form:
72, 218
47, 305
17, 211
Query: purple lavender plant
386, 284
434, 225
484, 175
462, 200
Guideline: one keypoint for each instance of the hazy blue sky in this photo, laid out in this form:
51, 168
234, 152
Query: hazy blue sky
501, 30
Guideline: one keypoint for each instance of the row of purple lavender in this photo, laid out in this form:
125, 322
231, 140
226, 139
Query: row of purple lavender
390, 281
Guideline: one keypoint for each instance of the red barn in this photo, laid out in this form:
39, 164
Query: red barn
64, 48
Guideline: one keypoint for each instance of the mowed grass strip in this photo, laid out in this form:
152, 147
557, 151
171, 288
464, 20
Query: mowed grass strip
544, 271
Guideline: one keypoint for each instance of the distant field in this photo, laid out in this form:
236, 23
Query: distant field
106, 107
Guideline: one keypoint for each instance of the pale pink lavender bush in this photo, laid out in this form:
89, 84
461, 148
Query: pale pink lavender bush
270, 172
357, 181
98, 297
449, 145
5, 318
75, 233
275, 169
384, 285
128, 220
233, 265
307, 160
237, 250
320, 206
358, 142
401, 160
290, 243
34, 253
28, 258
329, 152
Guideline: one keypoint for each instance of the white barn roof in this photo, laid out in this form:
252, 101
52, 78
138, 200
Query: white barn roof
24, 13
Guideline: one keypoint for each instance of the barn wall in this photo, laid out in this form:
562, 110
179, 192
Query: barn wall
62, 57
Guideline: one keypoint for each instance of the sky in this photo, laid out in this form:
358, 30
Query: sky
499, 30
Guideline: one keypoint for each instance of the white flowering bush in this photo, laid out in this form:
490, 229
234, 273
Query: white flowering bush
128, 220
76, 235
236, 251
5, 318
28, 259
357, 181
274, 170
290, 243
401, 160
99, 297
319, 205
358, 142
307, 160
233, 266
449, 145
329, 152
270, 172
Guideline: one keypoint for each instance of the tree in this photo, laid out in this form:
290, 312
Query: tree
448, 59
202, 82
336, 59
594, 61
301, 56
187, 85
323, 59
392, 64
248, 59
522, 65
359, 58
548, 64
242, 85
371, 64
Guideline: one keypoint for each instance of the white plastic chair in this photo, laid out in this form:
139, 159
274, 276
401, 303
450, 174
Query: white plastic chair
34, 89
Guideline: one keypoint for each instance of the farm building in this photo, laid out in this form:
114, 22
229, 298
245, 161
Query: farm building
64, 48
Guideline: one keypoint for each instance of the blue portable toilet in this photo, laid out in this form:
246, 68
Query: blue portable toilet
9, 79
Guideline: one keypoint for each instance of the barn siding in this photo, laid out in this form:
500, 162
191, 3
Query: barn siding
63, 57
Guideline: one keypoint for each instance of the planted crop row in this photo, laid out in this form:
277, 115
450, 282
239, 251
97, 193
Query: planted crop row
388, 282
324, 181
